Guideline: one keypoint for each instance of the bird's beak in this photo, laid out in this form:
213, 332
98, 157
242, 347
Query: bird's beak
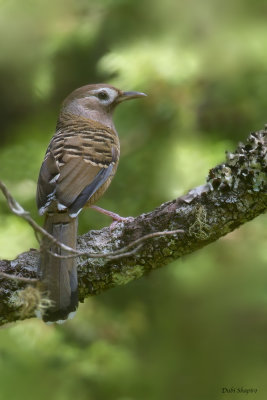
130, 95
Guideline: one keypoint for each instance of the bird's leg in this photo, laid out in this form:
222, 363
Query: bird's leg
115, 217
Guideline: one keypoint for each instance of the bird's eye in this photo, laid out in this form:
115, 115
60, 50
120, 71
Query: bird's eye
102, 95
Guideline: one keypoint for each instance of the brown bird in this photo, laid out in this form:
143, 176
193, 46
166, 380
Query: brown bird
79, 164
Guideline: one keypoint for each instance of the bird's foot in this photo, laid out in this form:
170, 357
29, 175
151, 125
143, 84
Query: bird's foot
119, 219
115, 217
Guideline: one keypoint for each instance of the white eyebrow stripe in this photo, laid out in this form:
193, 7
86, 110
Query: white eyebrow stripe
112, 93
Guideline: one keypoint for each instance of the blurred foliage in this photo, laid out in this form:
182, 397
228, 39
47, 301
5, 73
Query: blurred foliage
200, 324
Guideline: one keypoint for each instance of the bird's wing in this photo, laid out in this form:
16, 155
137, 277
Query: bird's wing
46, 185
76, 166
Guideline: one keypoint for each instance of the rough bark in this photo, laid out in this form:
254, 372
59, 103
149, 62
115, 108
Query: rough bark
235, 193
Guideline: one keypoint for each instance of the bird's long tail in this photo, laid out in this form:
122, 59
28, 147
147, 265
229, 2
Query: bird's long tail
59, 275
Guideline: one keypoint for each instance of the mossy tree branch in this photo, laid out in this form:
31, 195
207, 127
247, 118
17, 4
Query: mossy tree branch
235, 193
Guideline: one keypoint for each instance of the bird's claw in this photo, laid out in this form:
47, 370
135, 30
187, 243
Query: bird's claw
118, 219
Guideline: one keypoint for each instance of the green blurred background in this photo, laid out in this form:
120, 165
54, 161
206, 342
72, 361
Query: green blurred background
200, 324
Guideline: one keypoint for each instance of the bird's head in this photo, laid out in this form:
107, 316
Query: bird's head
97, 101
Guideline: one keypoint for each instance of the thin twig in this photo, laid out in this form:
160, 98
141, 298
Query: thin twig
18, 278
17, 209
111, 257
146, 237
126, 254
120, 252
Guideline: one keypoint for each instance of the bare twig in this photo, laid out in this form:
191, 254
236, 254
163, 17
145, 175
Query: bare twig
120, 252
17, 209
18, 278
